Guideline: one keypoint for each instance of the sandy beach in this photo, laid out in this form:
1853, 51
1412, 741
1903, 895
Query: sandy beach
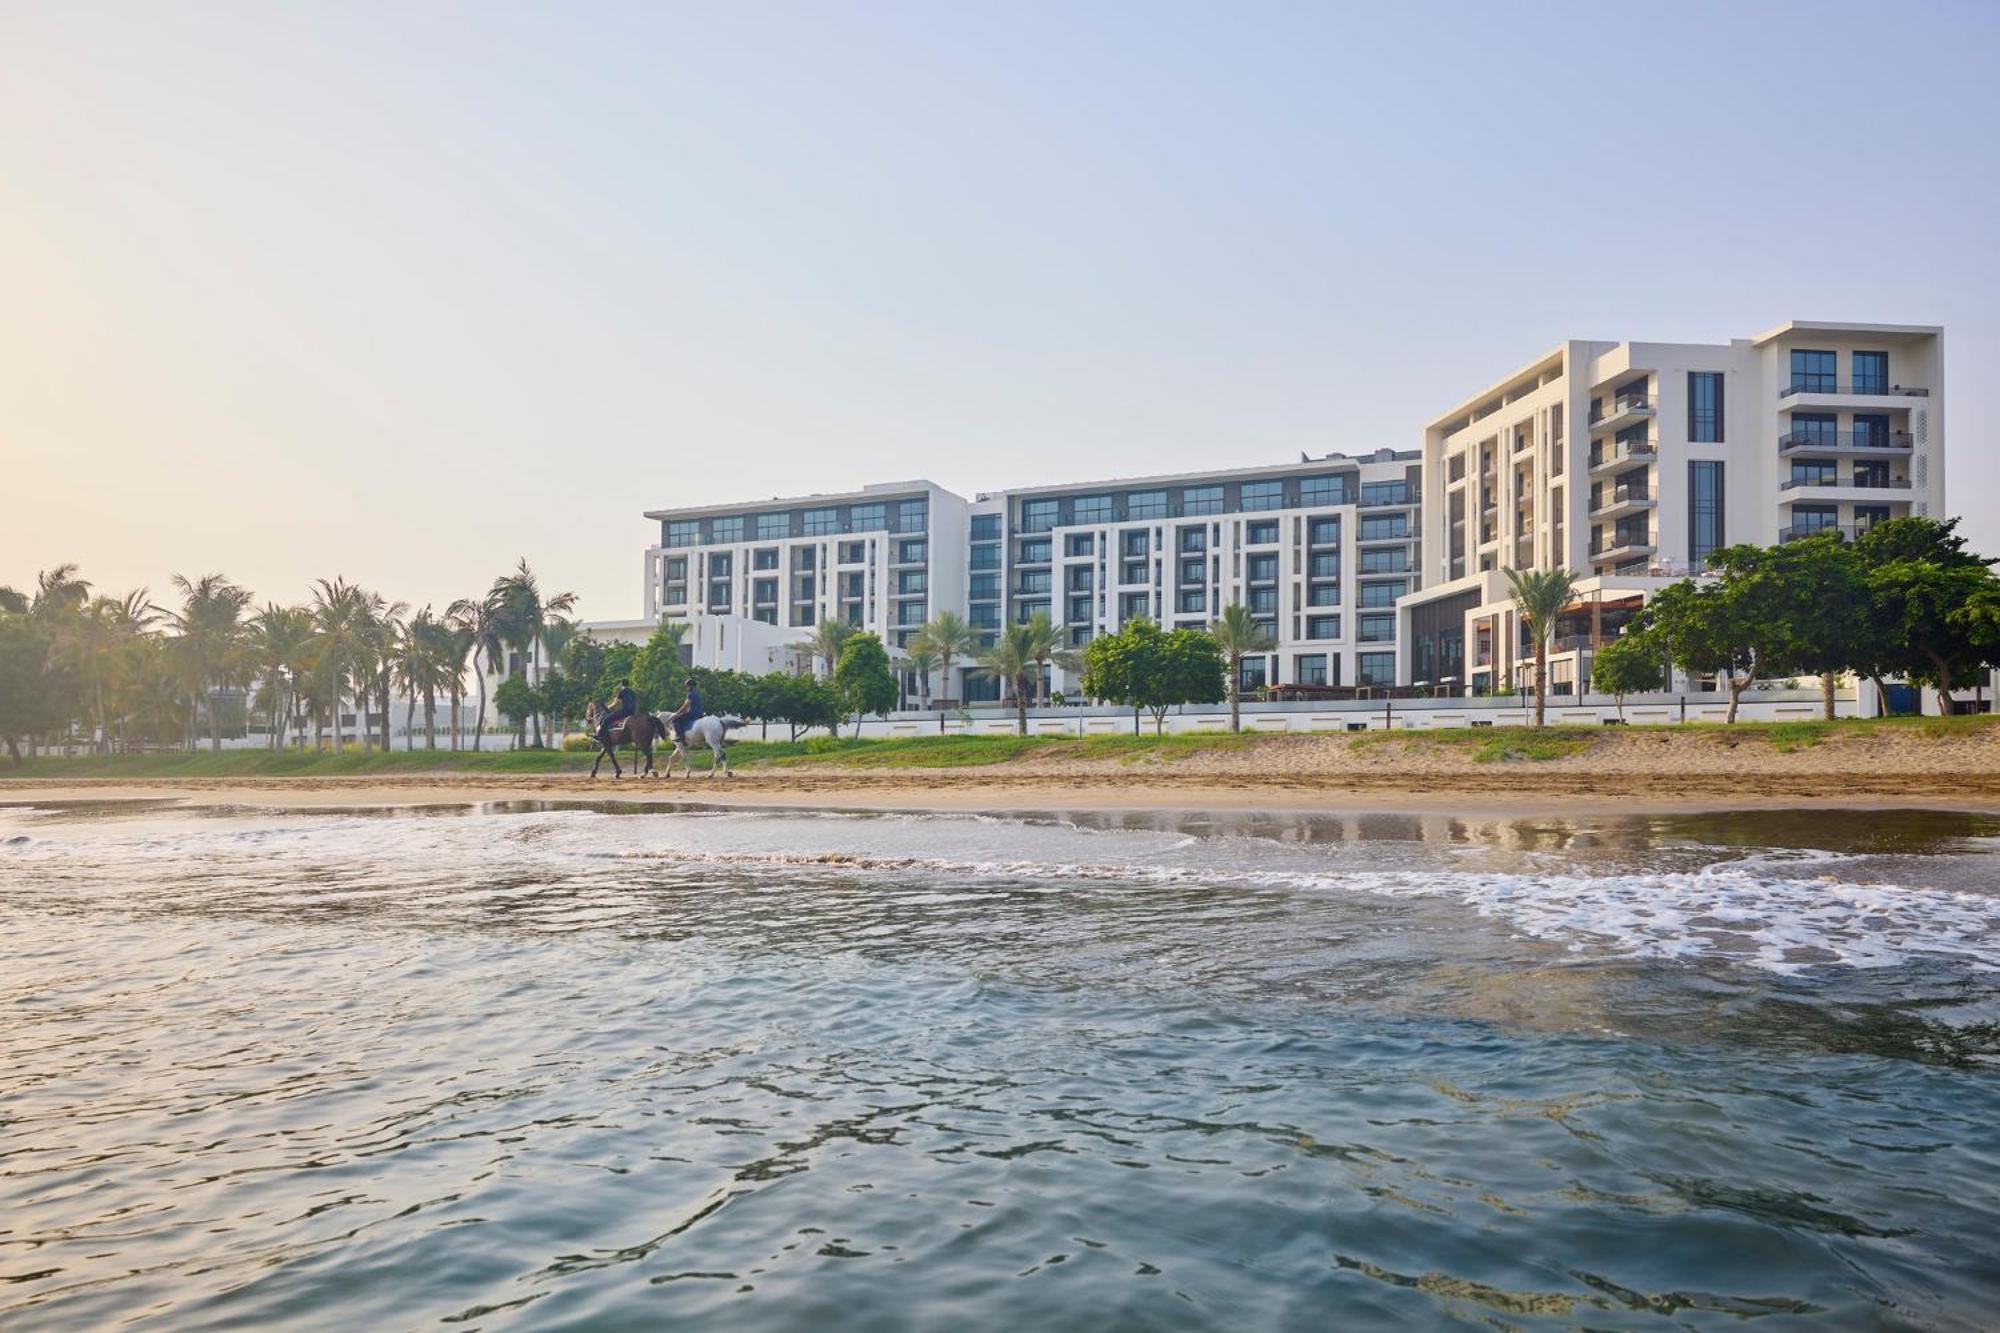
1614, 772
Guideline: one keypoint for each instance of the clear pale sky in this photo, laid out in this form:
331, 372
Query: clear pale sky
404, 293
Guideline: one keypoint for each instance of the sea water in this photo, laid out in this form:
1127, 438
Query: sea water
536, 1067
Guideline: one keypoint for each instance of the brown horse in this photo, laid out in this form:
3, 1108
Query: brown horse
639, 731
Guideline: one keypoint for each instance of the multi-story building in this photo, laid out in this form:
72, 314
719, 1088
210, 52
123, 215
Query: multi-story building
754, 579
1631, 462
1319, 551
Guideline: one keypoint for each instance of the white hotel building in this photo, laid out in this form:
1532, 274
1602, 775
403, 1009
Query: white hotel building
1630, 462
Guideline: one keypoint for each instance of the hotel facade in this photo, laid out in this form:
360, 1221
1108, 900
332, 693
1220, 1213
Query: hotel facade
1627, 462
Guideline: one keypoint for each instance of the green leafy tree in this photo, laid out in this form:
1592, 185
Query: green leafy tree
1735, 626
524, 614
478, 619
1628, 664
617, 666
279, 643
920, 659
658, 674
800, 702
28, 699
1145, 667
1239, 636
863, 678
1819, 592
517, 701
1923, 586
210, 622
1539, 597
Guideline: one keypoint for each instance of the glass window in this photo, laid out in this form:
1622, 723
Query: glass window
676, 594
1322, 627
1137, 542
912, 552
1080, 578
1026, 611
1263, 495
1323, 532
985, 527
1194, 539
1323, 594
867, 518
1261, 568
912, 580
1251, 673
682, 532
985, 616
1704, 511
1324, 564
804, 557
1705, 406
1194, 571
986, 557
1032, 580
719, 565
1309, 669
853, 553
1388, 560
1035, 552
1038, 515
1092, 509
1133, 606
1201, 500
1079, 609
772, 526
1192, 599
765, 557
911, 613
1264, 601
677, 567
1080, 543
764, 592
1813, 472
1871, 431
1146, 504
852, 585
1384, 527
1374, 668
821, 522
1376, 627
912, 515
1812, 518
1385, 493
1813, 372
1871, 372
1818, 429
1263, 533
1134, 572
1323, 491
1381, 594
984, 587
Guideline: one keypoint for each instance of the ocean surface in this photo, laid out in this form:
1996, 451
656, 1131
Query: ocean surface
530, 1066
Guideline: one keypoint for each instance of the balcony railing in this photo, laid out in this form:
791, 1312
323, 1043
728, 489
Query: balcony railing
1622, 495
1860, 483
1868, 388
1631, 451
1845, 439
1630, 402
1632, 545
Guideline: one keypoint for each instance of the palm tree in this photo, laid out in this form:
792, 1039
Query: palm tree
478, 619
1012, 659
951, 638
210, 620
278, 647
93, 639
425, 667
1044, 646
828, 637
340, 616
525, 612
58, 591
454, 644
385, 634
922, 659
1240, 636
1539, 597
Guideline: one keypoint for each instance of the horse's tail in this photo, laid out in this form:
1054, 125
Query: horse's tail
729, 722
659, 727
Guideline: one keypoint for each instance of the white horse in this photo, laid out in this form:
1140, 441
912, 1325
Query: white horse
712, 731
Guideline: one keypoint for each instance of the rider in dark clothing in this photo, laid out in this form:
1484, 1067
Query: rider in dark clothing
689, 710
623, 706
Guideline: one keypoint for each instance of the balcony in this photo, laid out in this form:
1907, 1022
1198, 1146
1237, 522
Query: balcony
1625, 410
1621, 549
1845, 483
1402, 497
1848, 532
1844, 442
1856, 389
1628, 454
1384, 539
1624, 500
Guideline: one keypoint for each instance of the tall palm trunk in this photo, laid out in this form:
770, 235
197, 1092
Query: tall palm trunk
479, 724
430, 719
535, 679
1235, 691
1541, 680
1826, 694
334, 717
1021, 687
103, 732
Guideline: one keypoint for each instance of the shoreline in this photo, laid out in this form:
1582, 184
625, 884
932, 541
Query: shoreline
1509, 793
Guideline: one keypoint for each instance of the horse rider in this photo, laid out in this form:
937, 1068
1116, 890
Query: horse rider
688, 713
624, 705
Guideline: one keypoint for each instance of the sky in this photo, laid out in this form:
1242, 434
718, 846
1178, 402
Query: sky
408, 293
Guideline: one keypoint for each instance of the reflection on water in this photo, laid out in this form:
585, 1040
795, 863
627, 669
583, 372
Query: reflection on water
542, 1065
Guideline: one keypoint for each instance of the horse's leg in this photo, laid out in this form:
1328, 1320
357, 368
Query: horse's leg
596, 762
